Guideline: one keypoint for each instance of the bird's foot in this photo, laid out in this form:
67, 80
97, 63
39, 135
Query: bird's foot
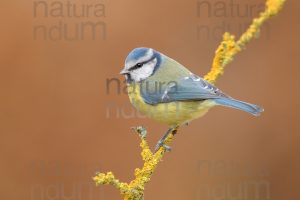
161, 144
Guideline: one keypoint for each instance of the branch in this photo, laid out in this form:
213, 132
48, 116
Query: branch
229, 47
224, 54
135, 189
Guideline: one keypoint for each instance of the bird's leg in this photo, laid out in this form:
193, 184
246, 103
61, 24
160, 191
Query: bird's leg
160, 143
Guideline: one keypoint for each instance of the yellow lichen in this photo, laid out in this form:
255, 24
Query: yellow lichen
224, 54
229, 47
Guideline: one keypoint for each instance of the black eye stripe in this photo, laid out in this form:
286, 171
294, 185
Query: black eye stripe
139, 65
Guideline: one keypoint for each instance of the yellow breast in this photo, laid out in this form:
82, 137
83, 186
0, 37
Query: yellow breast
173, 113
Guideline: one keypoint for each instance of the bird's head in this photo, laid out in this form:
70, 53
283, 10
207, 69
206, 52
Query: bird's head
140, 64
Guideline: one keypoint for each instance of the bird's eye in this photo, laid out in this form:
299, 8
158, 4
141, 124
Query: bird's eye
139, 64
136, 66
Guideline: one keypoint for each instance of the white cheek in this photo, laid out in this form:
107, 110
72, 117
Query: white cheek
143, 72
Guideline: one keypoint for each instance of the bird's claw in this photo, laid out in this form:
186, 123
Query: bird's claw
167, 148
161, 144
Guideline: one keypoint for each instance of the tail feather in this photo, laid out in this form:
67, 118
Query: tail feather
247, 107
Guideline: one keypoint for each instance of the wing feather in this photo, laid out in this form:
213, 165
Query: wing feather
189, 88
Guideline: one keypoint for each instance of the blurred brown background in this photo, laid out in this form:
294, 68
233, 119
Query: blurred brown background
59, 124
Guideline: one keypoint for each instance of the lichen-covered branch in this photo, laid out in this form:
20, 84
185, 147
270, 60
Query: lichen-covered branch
135, 189
225, 53
229, 47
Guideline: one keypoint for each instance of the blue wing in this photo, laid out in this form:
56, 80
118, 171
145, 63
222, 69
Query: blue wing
189, 88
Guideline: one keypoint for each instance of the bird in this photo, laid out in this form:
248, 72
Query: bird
165, 90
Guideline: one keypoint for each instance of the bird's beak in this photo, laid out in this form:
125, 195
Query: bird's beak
124, 71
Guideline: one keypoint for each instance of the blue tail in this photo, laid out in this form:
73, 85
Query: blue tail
232, 103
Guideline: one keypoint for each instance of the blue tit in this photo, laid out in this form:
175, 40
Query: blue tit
164, 90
